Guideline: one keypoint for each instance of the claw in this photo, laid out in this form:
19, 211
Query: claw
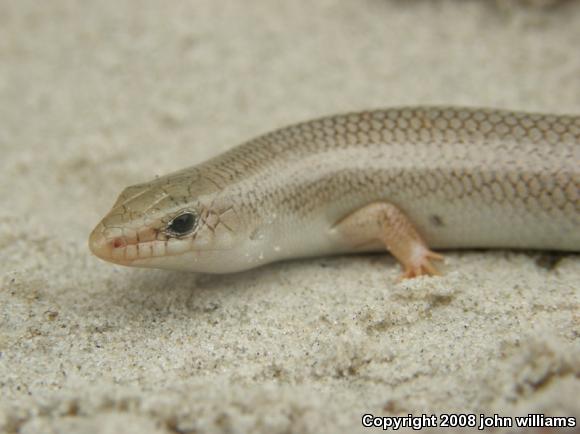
422, 266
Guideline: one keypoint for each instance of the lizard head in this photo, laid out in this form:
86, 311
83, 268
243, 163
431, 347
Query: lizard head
181, 221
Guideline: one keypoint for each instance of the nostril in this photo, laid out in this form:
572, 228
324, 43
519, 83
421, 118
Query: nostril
109, 244
118, 242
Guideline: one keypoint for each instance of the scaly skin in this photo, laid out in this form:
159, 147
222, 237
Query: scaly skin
401, 178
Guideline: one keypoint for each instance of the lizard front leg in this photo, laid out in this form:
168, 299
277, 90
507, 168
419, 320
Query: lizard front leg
385, 222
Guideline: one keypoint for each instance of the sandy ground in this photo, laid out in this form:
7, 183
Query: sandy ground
95, 96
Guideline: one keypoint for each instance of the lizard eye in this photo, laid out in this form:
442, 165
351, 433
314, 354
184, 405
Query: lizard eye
182, 224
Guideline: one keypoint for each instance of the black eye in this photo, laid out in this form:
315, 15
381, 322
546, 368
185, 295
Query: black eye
182, 224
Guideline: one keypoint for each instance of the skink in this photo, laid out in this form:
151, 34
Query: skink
407, 180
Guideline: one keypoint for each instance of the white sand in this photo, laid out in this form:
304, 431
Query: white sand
95, 96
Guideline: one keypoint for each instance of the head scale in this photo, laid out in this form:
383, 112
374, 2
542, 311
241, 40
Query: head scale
182, 221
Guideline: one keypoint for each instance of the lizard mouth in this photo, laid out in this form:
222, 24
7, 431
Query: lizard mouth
125, 246
122, 246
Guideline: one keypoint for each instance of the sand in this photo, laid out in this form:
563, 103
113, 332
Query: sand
95, 96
